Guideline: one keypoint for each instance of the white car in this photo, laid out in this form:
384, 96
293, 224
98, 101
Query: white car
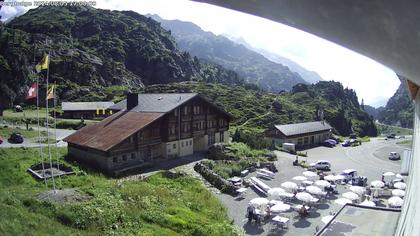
321, 165
394, 156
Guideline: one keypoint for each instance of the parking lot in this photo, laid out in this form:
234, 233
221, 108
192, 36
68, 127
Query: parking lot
370, 160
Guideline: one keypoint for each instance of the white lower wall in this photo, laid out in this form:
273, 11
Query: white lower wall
183, 147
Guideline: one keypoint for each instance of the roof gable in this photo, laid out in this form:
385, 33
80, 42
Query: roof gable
113, 130
303, 128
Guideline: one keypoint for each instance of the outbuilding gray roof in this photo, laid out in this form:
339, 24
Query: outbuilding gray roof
303, 128
85, 106
156, 102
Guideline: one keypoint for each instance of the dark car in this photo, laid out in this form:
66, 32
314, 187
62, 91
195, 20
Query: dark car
390, 136
327, 144
346, 143
1, 139
16, 138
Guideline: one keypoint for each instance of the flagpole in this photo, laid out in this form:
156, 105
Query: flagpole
39, 132
48, 130
55, 131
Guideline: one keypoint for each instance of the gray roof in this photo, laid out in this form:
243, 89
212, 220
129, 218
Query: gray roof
303, 128
156, 102
85, 106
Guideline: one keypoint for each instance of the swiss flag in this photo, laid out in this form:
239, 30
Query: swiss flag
32, 92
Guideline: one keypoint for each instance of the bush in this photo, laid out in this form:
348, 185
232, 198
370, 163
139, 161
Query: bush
214, 179
66, 124
302, 154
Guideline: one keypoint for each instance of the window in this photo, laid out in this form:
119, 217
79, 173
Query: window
186, 143
133, 156
306, 140
124, 157
300, 141
196, 110
222, 138
174, 146
190, 142
172, 130
115, 159
182, 143
211, 139
176, 112
131, 140
186, 110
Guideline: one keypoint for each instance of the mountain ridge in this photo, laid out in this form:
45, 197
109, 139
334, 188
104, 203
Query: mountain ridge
250, 65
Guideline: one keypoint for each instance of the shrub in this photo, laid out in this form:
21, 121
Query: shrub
302, 154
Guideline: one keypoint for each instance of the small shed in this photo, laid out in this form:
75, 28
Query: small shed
86, 110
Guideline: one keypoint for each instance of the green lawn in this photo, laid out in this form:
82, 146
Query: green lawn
28, 135
389, 129
161, 205
30, 115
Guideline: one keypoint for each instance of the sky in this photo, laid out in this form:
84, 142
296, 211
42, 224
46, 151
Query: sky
372, 81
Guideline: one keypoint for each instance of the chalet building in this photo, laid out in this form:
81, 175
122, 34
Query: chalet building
86, 110
301, 134
149, 128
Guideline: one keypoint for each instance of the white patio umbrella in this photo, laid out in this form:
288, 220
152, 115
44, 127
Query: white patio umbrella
275, 192
389, 173
398, 193
274, 202
305, 197
398, 176
339, 177
322, 183
367, 203
259, 201
395, 201
309, 174
313, 190
377, 184
299, 178
286, 194
330, 178
357, 189
289, 185
281, 207
327, 219
350, 195
342, 201
400, 185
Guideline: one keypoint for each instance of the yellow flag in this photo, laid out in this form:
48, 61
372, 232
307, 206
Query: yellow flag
43, 65
50, 93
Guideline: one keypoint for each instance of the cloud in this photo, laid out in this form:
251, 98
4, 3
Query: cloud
8, 12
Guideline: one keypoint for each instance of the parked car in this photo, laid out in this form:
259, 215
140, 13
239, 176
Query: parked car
332, 141
346, 143
321, 165
16, 138
327, 143
394, 156
390, 136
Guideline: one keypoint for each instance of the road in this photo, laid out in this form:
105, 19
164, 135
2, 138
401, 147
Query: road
61, 134
369, 159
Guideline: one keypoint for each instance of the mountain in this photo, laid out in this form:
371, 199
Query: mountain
250, 65
372, 111
309, 76
94, 53
259, 109
399, 109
